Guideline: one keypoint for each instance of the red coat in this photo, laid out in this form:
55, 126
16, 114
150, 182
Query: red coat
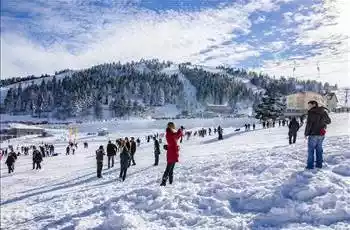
172, 137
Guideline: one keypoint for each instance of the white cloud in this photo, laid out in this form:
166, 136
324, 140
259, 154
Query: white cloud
260, 19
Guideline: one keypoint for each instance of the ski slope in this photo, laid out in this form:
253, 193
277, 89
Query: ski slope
250, 180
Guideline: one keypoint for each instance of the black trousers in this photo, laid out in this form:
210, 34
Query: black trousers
99, 169
292, 138
110, 158
132, 159
123, 171
37, 163
169, 173
11, 168
156, 158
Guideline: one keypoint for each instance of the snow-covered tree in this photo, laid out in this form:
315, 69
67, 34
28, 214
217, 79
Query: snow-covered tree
272, 106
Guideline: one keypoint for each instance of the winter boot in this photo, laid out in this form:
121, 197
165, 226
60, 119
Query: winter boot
163, 183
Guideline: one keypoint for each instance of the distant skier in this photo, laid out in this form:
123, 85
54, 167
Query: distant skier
315, 131
156, 151
220, 137
172, 136
111, 152
10, 161
253, 126
124, 159
293, 129
99, 160
37, 158
67, 150
264, 124
209, 131
132, 150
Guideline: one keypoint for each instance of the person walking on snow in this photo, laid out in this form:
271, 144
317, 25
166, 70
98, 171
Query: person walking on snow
132, 150
99, 160
124, 159
293, 129
172, 136
10, 161
220, 133
315, 130
111, 152
156, 151
37, 158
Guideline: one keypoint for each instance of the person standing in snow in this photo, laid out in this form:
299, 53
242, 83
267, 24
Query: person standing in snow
172, 136
111, 152
138, 141
132, 150
293, 129
156, 151
10, 161
37, 158
220, 133
315, 130
67, 150
99, 160
124, 160
253, 126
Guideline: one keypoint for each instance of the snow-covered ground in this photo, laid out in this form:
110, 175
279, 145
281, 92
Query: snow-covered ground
250, 180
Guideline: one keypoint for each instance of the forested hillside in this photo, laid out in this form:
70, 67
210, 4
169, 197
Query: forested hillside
134, 89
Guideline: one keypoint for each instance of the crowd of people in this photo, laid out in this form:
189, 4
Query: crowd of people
315, 130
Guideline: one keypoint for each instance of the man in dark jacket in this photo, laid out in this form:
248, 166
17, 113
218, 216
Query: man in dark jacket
132, 150
10, 161
293, 129
156, 151
99, 159
315, 130
220, 133
124, 160
37, 158
111, 152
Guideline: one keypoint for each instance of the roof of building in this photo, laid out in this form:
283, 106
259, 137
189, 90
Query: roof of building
22, 126
330, 96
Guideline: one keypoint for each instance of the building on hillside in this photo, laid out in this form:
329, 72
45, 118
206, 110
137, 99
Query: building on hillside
18, 130
224, 109
332, 101
297, 104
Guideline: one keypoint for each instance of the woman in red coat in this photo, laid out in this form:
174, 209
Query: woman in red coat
172, 136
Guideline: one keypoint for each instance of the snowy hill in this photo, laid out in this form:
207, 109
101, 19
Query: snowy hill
138, 89
250, 180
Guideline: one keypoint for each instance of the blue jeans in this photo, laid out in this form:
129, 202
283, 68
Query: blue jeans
315, 145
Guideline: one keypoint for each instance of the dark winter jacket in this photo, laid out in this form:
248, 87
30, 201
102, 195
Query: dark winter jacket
293, 126
99, 155
132, 147
172, 138
317, 121
111, 149
10, 160
124, 157
37, 157
156, 147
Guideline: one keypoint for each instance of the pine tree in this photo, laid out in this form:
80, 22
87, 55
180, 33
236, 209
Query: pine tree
272, 106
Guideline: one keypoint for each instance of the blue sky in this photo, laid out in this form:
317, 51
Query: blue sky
271, 36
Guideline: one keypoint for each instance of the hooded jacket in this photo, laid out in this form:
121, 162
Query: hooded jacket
317, 120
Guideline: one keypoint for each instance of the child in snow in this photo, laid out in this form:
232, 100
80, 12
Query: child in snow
99, 159
124, 160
